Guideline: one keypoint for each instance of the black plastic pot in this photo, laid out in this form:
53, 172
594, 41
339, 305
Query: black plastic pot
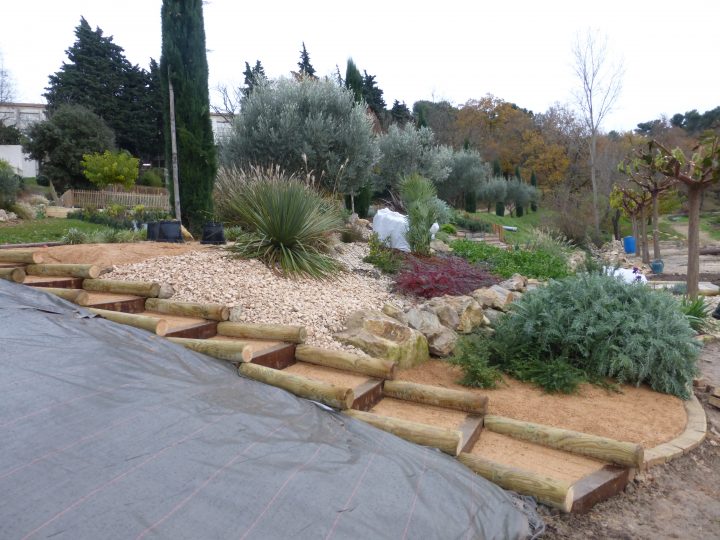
170, 232
153, 229
213, 233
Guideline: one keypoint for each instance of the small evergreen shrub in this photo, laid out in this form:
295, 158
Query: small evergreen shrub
74, 236
540, 263
472, 354
382, 257
588, 327
233, 233
448, 228
470, 223
118, 216
9, 185
438, 276
286, 224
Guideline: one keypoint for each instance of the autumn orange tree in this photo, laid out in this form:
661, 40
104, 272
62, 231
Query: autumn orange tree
698, 172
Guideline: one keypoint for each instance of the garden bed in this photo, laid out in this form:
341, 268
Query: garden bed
636, 415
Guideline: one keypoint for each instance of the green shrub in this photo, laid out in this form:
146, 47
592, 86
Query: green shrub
382, 257
75, 236
233, 233
286, 224
110, 168
448, 228
592, 326
152, 178
470, 223
23, 210
423, 209
350, 235
472, 354
118, 216
540, 263
9, 185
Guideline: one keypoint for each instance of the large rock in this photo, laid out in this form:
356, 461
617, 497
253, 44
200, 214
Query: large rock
459, 313
493, 315
394, 311
440, 246
516, 282
495, 297
441, 340
384, 337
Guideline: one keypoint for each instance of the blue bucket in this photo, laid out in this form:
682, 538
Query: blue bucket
629, 244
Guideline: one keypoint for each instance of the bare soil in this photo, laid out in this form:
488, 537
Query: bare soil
680, 499
636, 415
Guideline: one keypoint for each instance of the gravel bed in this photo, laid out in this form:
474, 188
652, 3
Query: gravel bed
256, 294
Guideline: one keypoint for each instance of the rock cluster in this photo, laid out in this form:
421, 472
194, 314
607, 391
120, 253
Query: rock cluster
408, 335
7, 216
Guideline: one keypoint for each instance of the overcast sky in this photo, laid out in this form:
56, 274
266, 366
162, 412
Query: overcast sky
518, 50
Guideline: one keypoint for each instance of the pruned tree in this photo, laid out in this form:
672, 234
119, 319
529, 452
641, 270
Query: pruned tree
697, 173
600, 86
633, 203
642, 170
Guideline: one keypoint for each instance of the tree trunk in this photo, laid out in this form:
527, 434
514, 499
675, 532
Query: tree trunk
643, 234
655, 218
616, 225
593, 181
693, 267
635, 231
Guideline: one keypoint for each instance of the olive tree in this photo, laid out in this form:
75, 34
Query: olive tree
304, 126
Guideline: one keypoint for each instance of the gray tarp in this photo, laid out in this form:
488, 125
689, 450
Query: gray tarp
107, 431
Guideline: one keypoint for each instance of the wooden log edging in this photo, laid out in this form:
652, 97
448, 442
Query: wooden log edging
547, 490
232, 351
13, 274
63, 270
151, 324
329, 394
274, 332
603, 448
22, 256
76, 296
447, 440
437, 396
137, 288
378, 368
694, 434
212, 312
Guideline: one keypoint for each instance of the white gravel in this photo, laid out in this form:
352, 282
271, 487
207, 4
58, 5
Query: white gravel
259, 295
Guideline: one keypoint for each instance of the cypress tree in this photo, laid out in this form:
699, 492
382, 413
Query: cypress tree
497, 169
304, 63
184, 62
373, 95
354, 80
533, 183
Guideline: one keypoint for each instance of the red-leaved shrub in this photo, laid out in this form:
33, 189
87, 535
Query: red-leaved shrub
438, 276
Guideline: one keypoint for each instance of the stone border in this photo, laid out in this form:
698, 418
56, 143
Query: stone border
694, 434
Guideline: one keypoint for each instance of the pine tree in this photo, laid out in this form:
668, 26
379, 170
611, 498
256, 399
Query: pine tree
100, 78
253, 77
373, 95
354, 80
400, 113
304, 64
184, 63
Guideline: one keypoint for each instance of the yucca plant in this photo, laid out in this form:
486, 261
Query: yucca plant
285, 223
697, 312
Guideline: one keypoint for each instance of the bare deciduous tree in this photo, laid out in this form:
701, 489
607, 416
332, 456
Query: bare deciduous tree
600, 83
7, 87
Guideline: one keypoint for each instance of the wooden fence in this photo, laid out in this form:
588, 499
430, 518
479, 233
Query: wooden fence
80, 198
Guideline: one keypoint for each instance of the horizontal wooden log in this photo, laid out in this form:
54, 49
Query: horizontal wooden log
547, 490
136, 288
232, 351
618, 452
437, 396
213, 312
447, 440
330, 395
274, 332
378, 368
13, 274
21, 256
64, 270
151, 324
76, 296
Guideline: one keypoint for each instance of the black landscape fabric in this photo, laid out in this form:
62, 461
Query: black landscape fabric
108, 432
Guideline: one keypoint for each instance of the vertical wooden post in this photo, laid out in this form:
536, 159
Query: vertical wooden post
173, 143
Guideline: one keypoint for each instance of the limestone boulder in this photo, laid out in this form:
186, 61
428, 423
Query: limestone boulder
495, 297
459, 313
493, 315
382, 336
440, 247
516, 283
441, 340
394, 311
